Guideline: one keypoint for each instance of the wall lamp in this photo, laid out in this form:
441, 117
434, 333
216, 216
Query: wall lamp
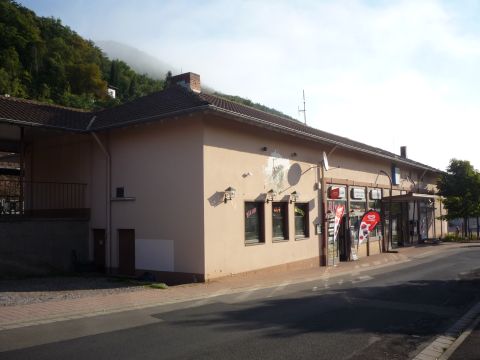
228, 194
271, 195
294, 197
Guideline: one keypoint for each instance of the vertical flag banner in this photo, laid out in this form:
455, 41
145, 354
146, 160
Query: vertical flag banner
368, 223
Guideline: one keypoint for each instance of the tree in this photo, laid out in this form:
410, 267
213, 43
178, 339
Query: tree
460, 187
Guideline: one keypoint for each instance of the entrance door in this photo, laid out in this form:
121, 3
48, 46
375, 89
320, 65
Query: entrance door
344, 240
126, 251
99, 249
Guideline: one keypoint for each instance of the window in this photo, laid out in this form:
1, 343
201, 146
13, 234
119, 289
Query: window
280, 221
301, 221
254, 223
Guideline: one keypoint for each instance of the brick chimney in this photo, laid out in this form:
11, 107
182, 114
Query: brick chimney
403, 152
189, 80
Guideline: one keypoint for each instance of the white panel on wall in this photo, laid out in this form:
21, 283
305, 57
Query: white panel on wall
154, 254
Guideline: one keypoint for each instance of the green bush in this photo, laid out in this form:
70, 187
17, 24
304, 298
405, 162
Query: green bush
452, 238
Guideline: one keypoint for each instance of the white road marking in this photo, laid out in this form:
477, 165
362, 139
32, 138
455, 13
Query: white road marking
362, 278
279, 288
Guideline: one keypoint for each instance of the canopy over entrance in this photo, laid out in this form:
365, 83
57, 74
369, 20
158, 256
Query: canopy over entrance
409, 197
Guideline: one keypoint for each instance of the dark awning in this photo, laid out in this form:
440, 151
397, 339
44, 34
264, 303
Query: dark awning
409, 197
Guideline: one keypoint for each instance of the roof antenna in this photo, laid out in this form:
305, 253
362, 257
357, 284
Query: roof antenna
303, 110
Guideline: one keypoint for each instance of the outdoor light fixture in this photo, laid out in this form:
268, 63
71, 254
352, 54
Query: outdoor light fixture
294, 197
228, 194
271, 195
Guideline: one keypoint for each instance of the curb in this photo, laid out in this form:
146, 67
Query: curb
460, 340
444, 345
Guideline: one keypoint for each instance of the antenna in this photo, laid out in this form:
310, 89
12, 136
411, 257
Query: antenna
303, 110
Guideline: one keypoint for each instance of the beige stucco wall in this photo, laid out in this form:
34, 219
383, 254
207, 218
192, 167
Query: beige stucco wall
234, 157
160, 165
176, 171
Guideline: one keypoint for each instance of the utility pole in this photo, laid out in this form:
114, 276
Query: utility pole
303, 110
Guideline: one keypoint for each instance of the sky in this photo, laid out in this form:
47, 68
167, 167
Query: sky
384, 72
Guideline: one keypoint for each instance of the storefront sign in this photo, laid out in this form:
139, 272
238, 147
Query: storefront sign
368, 223
336, 192
358, 194
375, 194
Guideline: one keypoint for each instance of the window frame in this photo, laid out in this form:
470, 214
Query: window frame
286, 235
261, 224
305, 207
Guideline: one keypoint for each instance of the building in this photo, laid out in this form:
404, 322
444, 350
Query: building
192, 187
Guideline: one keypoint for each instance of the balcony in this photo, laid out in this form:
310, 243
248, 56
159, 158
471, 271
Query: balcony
43, 199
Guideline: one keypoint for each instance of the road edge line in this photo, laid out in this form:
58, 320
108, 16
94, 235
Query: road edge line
439, 349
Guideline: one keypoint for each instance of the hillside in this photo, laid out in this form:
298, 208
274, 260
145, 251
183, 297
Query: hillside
42, 59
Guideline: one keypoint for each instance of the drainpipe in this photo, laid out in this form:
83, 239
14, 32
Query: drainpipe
323, 217
108, 203
21, 202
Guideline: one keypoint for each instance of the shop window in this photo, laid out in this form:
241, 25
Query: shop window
280, 221
301, 221
254, 223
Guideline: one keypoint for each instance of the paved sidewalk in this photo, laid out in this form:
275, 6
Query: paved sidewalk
60, 310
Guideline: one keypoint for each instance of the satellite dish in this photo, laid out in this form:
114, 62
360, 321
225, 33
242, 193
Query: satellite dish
325, 161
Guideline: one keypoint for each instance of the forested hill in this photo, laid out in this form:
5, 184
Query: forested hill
44, 60
41, 59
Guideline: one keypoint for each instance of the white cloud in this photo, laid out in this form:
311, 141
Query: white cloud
409, 68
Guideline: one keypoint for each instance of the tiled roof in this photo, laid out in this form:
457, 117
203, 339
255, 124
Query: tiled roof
169, 102
32, 113
173, 101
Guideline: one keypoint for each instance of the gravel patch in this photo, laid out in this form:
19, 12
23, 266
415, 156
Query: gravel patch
37, 290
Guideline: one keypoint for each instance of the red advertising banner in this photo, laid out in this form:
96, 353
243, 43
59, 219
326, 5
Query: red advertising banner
368, 223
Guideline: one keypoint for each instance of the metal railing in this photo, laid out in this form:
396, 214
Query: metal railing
42, 198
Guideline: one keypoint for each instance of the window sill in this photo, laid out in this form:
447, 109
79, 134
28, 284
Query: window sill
279, 240
300, 238
255, 243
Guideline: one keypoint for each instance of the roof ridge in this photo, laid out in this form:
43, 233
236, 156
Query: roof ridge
250, 107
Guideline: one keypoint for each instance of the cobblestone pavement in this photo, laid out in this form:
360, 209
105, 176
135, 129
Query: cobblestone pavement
39, 290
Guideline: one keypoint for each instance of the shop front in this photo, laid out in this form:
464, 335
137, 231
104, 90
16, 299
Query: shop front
346, 206
413, 219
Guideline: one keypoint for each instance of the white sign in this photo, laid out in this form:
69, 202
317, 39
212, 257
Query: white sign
358, 194
375, 194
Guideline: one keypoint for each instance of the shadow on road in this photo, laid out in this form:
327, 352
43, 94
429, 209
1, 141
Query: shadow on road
415, 308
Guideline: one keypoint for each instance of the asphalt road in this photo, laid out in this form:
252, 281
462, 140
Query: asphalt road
387, 313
